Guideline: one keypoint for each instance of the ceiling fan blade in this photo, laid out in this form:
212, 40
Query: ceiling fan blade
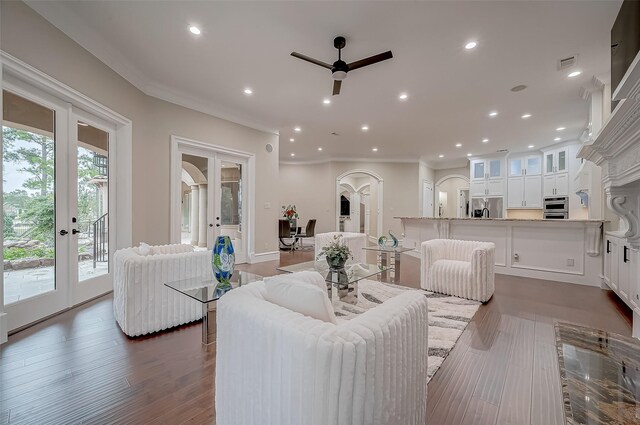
370, 60
336, 86
312, 60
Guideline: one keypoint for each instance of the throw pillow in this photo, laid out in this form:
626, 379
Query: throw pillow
300, 296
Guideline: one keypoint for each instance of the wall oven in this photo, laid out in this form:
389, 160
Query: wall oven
556, 208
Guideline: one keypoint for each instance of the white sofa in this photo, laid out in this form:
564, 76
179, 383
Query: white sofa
141, 302
355, 241
463, 269
275, 366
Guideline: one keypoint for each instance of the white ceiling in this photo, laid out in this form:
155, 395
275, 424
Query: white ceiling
451, 90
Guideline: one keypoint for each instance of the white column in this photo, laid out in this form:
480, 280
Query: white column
202, 230
195, 215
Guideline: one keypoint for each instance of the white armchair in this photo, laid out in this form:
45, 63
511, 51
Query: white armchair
355, 241
141, 302
275, 366
460, 268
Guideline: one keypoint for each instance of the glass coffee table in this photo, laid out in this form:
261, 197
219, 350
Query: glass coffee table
344, 282
389, 257
203, 289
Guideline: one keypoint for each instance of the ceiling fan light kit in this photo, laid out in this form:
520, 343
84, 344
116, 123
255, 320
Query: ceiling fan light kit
340, 68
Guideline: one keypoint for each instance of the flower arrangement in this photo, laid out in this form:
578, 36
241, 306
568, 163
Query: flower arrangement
336, 253
289, 212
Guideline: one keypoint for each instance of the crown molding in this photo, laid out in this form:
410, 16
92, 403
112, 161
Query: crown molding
342, 159
66, 20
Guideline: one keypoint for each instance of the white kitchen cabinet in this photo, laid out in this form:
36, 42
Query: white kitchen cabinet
532, 191
487, 177
478, 188
556, 185
484, 169
556, 161
622, 270
524, 192
528, 165
611, 262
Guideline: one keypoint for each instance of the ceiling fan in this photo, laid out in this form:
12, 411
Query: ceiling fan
340, 68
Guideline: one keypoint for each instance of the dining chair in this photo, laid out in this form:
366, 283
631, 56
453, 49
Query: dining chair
284, 232
309, 232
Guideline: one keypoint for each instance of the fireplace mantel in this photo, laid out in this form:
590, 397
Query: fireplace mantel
616, 148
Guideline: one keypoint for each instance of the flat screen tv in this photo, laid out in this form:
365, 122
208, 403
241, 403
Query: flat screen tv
625, 42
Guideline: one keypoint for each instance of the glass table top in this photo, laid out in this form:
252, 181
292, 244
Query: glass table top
397, 249
352, 272
203, 288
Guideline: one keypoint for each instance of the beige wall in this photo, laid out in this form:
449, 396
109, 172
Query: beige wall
440, 174
312, 188
30, 38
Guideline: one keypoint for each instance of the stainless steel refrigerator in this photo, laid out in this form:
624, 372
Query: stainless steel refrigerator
494, 205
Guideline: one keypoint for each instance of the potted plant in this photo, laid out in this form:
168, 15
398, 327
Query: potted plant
336, 253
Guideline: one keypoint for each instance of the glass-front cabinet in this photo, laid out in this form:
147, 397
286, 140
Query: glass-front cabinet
525, 166
482, 169
556, 161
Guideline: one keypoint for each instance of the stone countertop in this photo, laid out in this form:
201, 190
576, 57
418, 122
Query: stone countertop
504, 219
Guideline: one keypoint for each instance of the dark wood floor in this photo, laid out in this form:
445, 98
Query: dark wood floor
79, 368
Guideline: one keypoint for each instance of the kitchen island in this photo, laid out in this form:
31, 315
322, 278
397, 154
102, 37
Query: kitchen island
561, 250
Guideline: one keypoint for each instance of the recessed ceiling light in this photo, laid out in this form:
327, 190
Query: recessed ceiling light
458, 145
319, 149
293, 154
518, 88
525, 116
470, 45
493, 113
194, 30
297, 129
292, 140
574, 74
375, 149
326, 101
557, 139
440, 156
531, 146
365, 128
248, 91
559, 128
83, 124
468, 154
403, 96
485, 140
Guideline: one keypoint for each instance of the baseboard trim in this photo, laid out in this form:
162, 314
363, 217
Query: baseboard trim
3, 328
263, 257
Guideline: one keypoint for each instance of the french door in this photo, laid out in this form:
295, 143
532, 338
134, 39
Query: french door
212, 186
57, 199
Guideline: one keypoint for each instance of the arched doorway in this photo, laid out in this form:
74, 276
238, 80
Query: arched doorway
364, 190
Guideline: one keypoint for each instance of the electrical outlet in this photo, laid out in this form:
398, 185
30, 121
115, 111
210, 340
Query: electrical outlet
570, 262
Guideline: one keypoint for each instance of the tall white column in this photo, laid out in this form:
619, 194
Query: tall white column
202, 230
195, 214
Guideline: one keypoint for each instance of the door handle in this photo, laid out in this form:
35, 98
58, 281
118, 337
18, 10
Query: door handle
217, 218
75, 231
218, 225
608, 246
624, 255
63, 232
210, 225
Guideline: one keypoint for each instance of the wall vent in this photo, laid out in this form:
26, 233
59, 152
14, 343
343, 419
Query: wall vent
502, 150
567, 62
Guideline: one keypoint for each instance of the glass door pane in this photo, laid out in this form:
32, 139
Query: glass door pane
533, 165
495, 168
478, 170
195, 204
515, 167
231, 202
549, 162
92, 220
562, 160
29, 176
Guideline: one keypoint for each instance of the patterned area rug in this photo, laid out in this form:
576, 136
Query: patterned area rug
448, 316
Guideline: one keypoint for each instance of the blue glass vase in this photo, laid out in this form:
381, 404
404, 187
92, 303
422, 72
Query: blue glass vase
223, 260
